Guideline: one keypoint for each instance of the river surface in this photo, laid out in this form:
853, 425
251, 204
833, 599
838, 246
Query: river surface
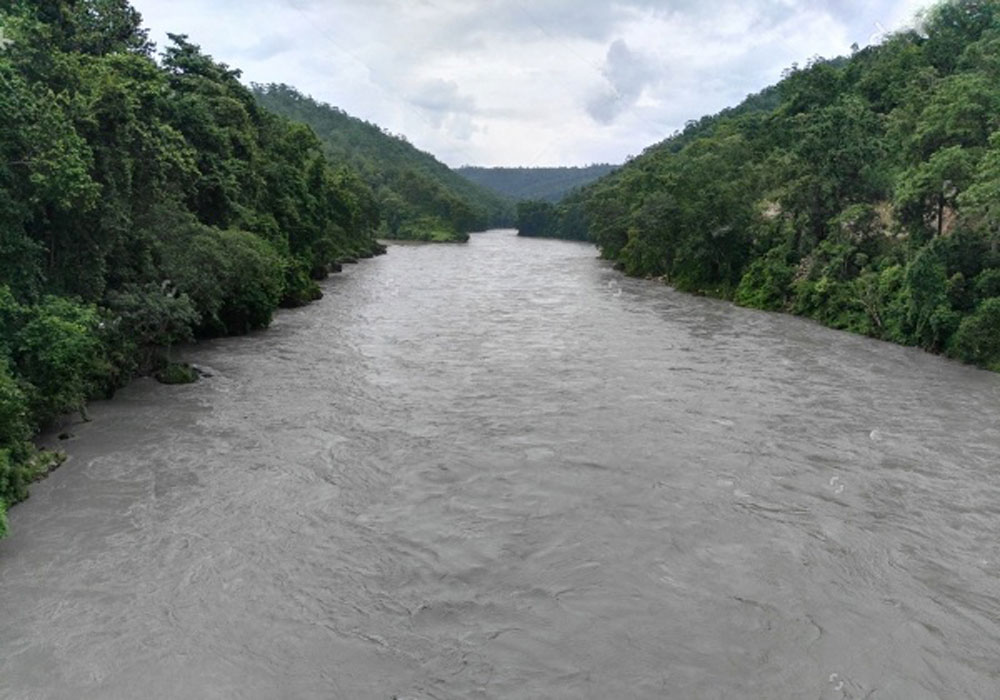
502, 470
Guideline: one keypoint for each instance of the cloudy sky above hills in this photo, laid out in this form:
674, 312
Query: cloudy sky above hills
525, 82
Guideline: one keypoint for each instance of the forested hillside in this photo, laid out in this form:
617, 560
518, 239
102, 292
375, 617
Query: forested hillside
142, 205
420, 197
862, 192
539, 184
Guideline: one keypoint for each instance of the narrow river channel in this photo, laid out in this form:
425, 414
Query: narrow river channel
502, 470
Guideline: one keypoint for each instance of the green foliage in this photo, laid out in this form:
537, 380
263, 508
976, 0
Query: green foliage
535, 218
154, 314
925, 192
978, 338
827, 300
177, 373
15, 425
980, 202
430, 229
410, 186
144, 204
15, 429
987, 284
20, 463
863, 192
146, 320
767, 282
234, 279
59, 356
13, 482
300, 287
252, 277
534, 184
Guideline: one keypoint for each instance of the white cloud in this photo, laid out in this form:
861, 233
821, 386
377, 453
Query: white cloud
627, 73
513, 82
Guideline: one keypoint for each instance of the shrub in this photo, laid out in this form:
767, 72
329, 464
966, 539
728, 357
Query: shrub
15, 426
766, 282
987, 284
60, 357
830, 302
3, 519
177, 373
978, 337
234, 278
300, 287
13, 477
153, 316
254, 282
929, 321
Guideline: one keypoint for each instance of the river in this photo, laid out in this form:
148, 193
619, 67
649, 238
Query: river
502, 470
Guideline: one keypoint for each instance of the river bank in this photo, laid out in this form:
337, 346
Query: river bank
36, 454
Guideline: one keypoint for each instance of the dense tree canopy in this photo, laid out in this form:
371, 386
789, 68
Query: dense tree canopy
141, 205
862, 192
420, 197
535, 184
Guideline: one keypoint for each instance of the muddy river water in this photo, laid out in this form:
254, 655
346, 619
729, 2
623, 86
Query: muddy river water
502, 470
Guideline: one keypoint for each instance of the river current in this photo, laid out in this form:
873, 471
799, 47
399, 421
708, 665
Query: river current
502, 470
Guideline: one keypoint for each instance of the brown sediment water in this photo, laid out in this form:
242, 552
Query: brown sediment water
502, 470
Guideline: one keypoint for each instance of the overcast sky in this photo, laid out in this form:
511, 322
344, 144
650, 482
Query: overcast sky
525, 82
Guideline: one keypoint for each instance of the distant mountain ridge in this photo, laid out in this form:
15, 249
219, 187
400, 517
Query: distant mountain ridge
543, 184
419, 196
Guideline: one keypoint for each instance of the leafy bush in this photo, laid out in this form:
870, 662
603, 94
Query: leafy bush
177, 373
432, 229
828, 301
254, 282
12, 484
15, 430
60, 357
930, 319
987, 284
3, 519
153, 316
978, 337
235, 279
300, 287
766, 283
15, 425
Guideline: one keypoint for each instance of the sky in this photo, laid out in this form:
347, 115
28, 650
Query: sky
526, 82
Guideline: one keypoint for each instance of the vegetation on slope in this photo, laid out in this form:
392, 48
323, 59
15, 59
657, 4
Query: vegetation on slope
141, 205
862, 192
420, 197
535, 184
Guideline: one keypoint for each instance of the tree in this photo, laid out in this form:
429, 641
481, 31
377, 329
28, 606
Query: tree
980, 202
927, 190
95, 27
978, 337
536, 218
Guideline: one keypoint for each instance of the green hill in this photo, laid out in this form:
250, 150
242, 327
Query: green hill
418, 195
862, 192
542, 184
